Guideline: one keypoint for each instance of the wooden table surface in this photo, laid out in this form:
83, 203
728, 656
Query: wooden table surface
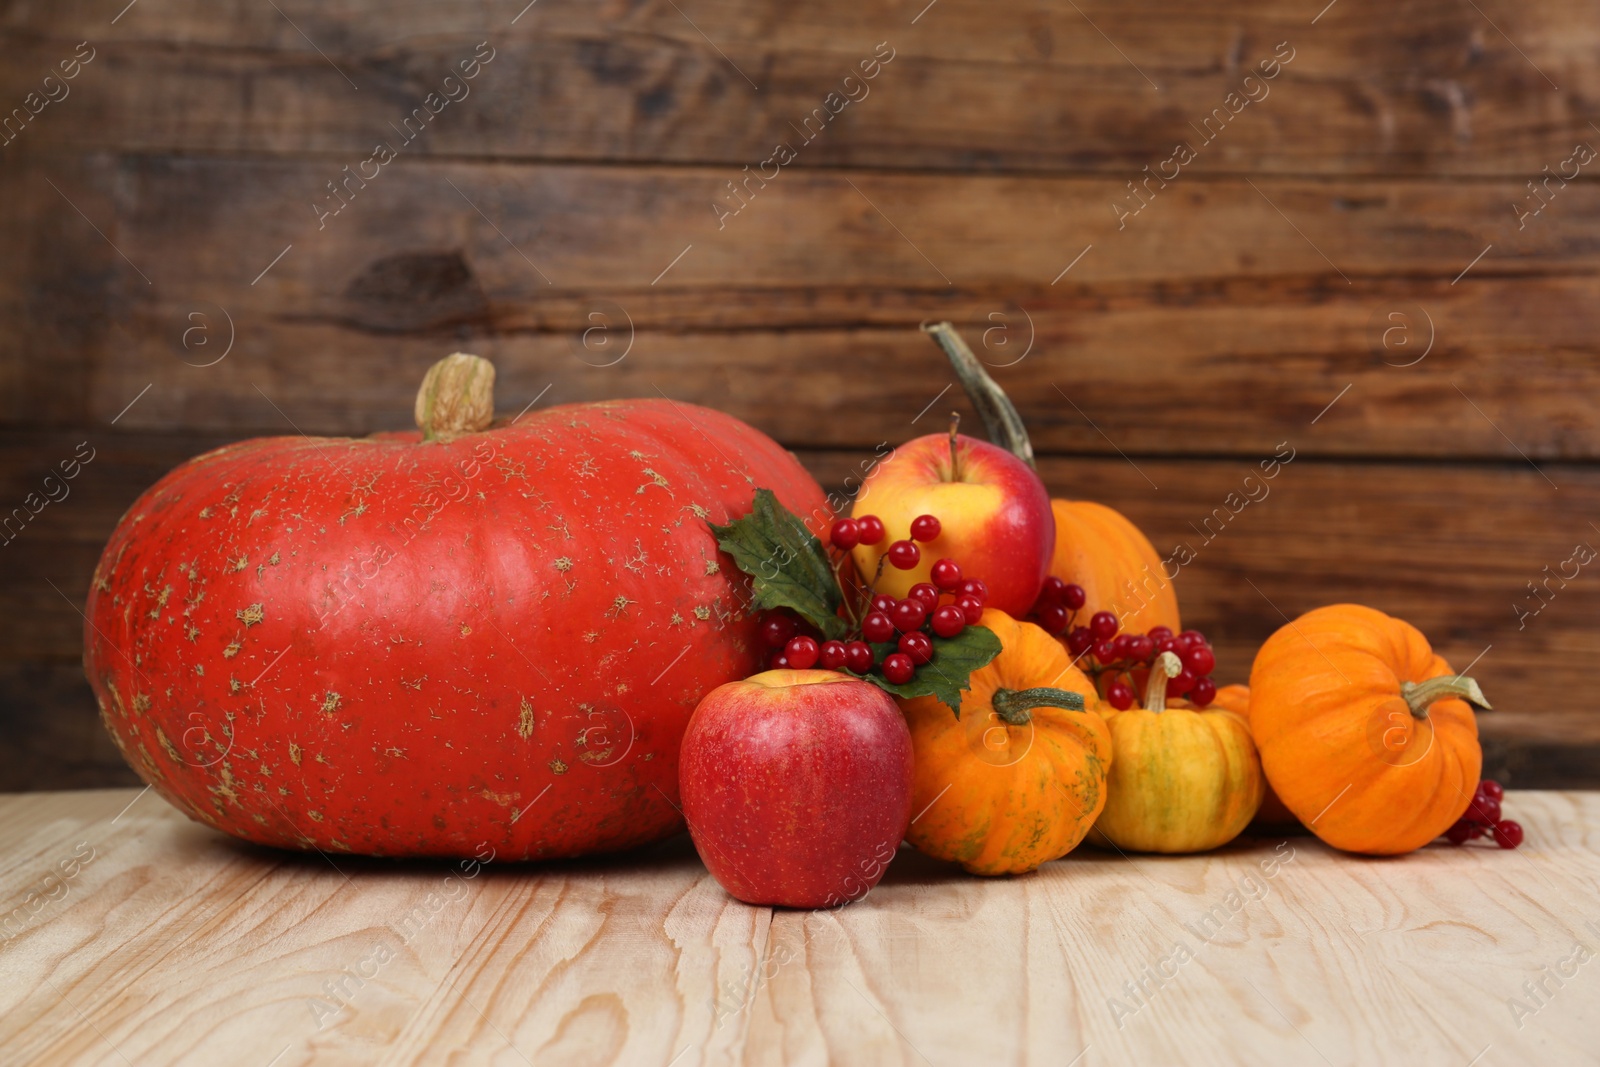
152, 940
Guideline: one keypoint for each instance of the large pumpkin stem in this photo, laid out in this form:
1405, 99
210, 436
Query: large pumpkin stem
456, 397
1421, 695
1014, 706
1000, 419
1155, 691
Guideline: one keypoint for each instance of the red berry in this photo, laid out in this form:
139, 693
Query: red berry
869, 529
1203, 692
924, 528
917, 645
877, 628
1177, 687
858, 656
949, 620
903, 555
898, 668
1105, 651
1121, 643
1483, 809
1053, 591
778, 662
1140, 647
1190, 639
1166, 644
1491, 788
1158, 632
844, 534
1054, 618
975, 587
946, 574
1200, 659
1103, 625
909, 615
1508, 834
926, 592
832, 656
1079, 641
1119, 696
971, 607
1074, 597
883, 602
1460, 832
802, 653
776, 630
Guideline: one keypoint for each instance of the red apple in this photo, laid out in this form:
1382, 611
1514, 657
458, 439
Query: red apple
797, 786
993, 511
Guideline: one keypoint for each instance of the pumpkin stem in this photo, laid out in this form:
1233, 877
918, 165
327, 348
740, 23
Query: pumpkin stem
1014, 705
456, 397
1000, 419
1421, 695
1155, 691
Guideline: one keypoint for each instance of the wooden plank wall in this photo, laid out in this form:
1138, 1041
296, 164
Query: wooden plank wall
1384, 255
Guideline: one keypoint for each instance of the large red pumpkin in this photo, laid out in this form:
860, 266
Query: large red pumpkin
425, 644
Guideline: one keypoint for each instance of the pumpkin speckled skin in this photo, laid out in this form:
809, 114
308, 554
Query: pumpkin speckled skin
1328, 715
1099, 549
1182, 780
1002, 799
1273, 812
404, 648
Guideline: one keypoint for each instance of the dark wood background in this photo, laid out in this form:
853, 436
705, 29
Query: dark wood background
1342, 268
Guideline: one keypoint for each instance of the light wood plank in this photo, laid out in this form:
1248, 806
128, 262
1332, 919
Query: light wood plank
177, 946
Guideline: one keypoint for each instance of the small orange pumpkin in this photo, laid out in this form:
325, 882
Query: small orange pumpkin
1367, 735
1236, 698
1020, 776
1182, 779
1097, 547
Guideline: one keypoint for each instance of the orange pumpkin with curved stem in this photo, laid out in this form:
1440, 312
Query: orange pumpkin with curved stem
1273, 812
1182, 780
1020, 776
1096, 548
1366, 733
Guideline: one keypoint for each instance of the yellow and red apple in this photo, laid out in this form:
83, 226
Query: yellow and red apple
993, 511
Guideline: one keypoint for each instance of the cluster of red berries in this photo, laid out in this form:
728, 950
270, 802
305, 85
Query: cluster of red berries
1104, 651
868, 530
903, 628
1482, 819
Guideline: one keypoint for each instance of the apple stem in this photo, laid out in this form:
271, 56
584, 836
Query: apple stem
1155, 691
1015, 706
955, 455
1000, 419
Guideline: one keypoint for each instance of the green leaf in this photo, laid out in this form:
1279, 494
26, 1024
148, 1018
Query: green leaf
946, 674
787, 565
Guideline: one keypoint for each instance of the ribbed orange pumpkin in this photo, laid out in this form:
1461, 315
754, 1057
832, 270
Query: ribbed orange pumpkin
1363, 730
1096, 546
1020, 777
1119, 570
1273, 812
